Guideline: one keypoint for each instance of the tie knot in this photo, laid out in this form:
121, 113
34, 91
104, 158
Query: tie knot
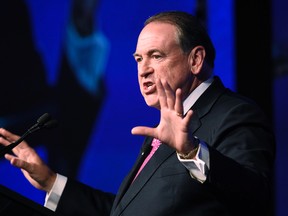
156, 143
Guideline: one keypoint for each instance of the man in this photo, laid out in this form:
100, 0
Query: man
216, 149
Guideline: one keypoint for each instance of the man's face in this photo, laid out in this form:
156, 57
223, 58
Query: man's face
158, 55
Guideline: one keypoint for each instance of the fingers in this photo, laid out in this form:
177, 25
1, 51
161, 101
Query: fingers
7, 137
188, 117
161, 94
24, 165
168, 98
16, 162
144, 131
4, 141
178, 103
170, 95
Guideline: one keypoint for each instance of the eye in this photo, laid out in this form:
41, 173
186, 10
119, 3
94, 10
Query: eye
156, 56
138, 59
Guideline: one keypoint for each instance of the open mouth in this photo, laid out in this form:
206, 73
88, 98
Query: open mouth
149, 87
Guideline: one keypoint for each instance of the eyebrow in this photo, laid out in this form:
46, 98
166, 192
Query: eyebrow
135, 54
149, 53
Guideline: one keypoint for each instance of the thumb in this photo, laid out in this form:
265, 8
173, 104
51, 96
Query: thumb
144, 131
14, 161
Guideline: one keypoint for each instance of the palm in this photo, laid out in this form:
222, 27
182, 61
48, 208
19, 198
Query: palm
25, 158
172, 129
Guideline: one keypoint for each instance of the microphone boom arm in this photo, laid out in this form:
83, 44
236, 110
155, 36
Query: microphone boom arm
45, 121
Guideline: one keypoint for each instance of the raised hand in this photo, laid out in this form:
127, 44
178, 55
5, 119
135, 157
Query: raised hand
26, 158
173, 128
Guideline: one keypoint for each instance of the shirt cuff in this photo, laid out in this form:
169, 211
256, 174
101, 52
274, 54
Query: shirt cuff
52, 198
199, 166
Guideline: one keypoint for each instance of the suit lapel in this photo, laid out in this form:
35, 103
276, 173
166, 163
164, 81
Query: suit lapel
151, 167
134, 188
146, 147
205, 102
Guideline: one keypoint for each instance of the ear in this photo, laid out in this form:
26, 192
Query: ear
196, 59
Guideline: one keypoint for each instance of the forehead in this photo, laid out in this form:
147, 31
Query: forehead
155, 35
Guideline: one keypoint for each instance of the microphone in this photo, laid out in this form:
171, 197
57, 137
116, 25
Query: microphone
44, 121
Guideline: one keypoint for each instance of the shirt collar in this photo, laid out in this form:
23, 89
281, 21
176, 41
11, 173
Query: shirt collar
195, 94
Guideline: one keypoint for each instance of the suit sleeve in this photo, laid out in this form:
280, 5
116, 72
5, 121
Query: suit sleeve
241, 147
80, 199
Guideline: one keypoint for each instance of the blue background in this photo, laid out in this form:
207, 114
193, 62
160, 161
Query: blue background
106, 160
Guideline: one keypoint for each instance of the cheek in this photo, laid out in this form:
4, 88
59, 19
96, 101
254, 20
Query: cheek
171, 75
139, 84
177, 76
164, 72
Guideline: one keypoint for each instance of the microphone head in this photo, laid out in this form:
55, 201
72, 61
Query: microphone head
51, 124
43, 119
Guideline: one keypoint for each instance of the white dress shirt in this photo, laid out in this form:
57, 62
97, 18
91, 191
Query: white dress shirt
198, 166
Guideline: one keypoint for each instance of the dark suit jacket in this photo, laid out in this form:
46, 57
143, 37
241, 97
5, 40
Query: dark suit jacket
239, 181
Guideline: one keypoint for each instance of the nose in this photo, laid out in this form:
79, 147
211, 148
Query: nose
145, 69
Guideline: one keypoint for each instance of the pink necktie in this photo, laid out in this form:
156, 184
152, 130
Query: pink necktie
155, 145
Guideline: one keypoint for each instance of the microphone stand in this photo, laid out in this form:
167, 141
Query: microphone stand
45, 121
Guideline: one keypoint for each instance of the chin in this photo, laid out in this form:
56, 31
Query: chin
152, 103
